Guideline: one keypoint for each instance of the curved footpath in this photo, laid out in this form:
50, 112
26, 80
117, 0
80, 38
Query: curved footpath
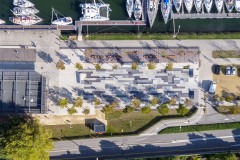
174, 122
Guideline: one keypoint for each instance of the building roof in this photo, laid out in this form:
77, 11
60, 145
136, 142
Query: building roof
17, 55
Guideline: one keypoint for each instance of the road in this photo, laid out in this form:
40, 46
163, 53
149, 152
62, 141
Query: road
143, 146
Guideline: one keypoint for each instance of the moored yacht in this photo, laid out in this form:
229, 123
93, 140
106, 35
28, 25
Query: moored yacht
219, 5
166, 8
237, 5
208, 5
129, 7
137, 9
60, 21
198, 5
95, 11
25, 20
188, 5
152, 9
177, 5
2, 21
24, 11
229, 5
23, 3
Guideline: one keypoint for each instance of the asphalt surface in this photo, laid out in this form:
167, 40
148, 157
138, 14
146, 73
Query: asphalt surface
144, 146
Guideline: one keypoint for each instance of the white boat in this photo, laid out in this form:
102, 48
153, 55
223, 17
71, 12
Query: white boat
237, 5
166, 7
24, 11
219, 5
25, 20
188, 5
229, 5
198, 5
2, 21
60, 21
23, 3
152, 9
208, 5
94, 11
129, 7
138, 9
177, 5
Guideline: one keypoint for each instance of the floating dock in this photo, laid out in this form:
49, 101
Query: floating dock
205, 15
32, 27
110, 23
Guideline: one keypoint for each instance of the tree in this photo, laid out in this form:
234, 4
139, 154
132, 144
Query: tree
172, 101
154, 101
78, 102
234, 109
114, 104
151, 65
63, 102
98, 66
224, 156
169, 66
78, 66
86, 111
134, 66
146, 109
182, 110
128, 109
97, 101
136, 102
115, 67
24, 138
108, 108
60, 65
163, 109
72, 110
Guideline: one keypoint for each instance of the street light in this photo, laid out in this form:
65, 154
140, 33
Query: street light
175, 35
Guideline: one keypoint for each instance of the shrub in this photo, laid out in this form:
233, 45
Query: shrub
97, 101
60, 65
98, 66
172, 101
182, 110
169, 66
154, 101
78, 66
63, 102
136, 102
186, 67
108, 109
163, 109
78, 102
146, 110
222, 98
115, 67
86, 111
229, 98
128, 109
72, 110
151, 65
114, 104
234, 109
134, 66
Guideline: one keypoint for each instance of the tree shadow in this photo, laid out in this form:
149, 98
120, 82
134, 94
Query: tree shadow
63, 58
55, 93
45, 56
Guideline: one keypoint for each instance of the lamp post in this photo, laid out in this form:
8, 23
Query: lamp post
175, 35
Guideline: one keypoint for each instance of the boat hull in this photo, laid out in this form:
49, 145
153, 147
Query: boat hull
208, 5
166, 8
188, 4
219, 5
229, 5
198, 5
152, 11
24, 11
237, 5
2, 21
177, 4
63, 21
138, 9
23, 3
25, 20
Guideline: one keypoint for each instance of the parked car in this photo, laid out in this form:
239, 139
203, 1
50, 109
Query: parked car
228, 71
233, 71
217, 69
212, 88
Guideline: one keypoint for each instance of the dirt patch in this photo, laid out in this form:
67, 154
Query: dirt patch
229, 84
226, 54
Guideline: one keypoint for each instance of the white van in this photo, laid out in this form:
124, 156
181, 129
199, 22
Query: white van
212, 88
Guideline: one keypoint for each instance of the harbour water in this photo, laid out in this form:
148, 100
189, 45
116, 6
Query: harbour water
71, 8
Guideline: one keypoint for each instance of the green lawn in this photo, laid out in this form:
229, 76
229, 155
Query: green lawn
159, 36
65, 132
226, 54
205, 127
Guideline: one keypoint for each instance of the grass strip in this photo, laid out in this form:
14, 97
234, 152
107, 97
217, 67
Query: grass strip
197, 128
161, 36
226, 54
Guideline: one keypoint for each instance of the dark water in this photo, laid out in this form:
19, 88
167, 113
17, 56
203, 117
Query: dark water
71, 8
